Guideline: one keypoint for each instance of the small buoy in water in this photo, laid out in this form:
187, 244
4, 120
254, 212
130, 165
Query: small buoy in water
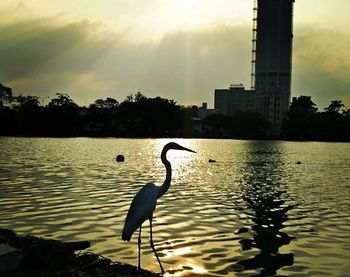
212, 161
298, 162
120, 158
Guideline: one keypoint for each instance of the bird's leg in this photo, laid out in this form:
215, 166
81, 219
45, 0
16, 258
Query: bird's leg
139, 241
152, 245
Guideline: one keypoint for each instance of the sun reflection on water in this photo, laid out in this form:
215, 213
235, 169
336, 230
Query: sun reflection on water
189, 266
173, 250
180, 160
168, 253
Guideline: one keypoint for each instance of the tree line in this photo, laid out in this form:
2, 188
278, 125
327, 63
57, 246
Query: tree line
140, 116
303, 121
136, 116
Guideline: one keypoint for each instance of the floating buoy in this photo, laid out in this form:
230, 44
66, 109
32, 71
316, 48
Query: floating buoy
120, 158
212, 161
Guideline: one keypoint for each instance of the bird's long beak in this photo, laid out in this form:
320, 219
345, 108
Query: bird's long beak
186, 149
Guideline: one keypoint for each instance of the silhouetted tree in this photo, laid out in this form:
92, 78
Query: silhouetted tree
26, 102
303, 123
149, 116
108, 103
139, 97
139, 116
303, 104
8, 117
27, 115
346, 112
335, 106
5, 94
129, 98
300, 119
101, 118
62, 100
333, 125
189, 114
63, 116
135, 98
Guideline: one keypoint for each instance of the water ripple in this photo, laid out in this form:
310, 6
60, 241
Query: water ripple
254, 212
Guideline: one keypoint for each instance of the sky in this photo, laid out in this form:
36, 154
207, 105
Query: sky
177, 49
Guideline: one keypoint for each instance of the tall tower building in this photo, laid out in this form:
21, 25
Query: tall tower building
272, 58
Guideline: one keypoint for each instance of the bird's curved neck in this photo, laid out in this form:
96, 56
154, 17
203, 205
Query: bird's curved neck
164, 188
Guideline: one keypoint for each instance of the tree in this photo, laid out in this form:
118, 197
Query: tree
346, 112
139, 97
62, 116
27, 102
109, 103
303, 105
135, 98
333, 125
5, 94
300, 119
62, 100
129, 98
334, 106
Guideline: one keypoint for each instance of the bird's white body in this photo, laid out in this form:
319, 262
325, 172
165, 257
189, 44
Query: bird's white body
145, 202
141, 209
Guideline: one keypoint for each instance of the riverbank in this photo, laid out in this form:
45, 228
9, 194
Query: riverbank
30, 256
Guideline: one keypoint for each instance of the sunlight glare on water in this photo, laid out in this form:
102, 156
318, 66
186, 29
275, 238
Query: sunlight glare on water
180, 160
255, 211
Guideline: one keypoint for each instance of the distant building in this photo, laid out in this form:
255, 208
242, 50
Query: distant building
272, 106
271, 66
272, 58
234, 99
301, 98
203, 111
199, 127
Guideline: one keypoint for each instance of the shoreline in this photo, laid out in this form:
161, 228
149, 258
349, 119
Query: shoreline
178, 137
26, 255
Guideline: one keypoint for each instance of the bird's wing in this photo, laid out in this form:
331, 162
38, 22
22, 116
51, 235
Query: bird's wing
141, 208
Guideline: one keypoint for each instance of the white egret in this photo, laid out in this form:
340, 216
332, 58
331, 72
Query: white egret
145, 201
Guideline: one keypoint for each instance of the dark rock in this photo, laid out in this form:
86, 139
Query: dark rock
47, 256
40, 257
120, 158
242, 230
9, 237
77, 245
9, 259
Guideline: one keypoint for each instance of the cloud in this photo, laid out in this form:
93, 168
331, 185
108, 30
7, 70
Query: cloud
196, 62
89, 60
321, 66
38, 57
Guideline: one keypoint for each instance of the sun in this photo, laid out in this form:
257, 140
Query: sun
186, 4
186, 8
162, 16
185, 13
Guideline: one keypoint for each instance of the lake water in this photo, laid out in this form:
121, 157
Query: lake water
255, 211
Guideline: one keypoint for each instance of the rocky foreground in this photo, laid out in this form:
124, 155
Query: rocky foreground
22, 256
